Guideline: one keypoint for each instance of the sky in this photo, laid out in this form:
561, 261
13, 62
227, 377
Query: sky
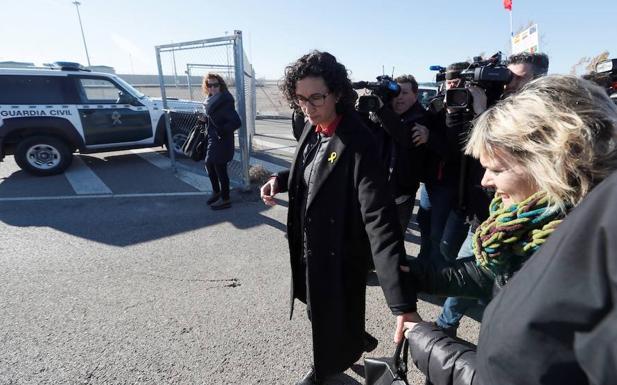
368, 37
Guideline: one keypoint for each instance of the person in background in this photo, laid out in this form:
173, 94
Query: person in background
340, 214
549, 151
297, 122
221, 120
400, 125
441, 175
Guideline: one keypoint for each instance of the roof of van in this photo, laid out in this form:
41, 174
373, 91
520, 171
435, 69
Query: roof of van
48, 72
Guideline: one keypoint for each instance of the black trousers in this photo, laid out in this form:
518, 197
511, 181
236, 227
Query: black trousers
219, 178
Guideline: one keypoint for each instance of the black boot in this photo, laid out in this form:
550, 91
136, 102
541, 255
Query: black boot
370, 342
213, 198
221, 204
309, 379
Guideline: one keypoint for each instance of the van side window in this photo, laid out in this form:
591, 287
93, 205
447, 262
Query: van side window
16, 90
99, 91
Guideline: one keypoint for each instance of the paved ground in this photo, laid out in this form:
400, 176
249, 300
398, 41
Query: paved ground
137, 282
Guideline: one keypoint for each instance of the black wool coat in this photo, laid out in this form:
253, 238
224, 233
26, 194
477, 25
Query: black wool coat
350, 215
222, 122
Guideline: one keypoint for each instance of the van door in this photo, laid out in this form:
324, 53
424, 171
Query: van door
110, 115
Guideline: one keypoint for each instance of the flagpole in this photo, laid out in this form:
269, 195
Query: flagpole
511, 33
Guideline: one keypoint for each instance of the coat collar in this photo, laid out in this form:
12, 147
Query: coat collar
220, 99
335, 148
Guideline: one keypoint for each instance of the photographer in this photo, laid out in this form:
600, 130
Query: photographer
400, 128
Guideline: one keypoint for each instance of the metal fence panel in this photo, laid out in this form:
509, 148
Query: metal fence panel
181, 68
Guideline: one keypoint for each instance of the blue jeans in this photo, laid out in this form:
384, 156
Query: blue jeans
435, 206
455, 307
424, 222
455, 233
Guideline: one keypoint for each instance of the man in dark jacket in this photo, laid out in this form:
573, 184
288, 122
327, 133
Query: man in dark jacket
555, 321
403, 122
441, 178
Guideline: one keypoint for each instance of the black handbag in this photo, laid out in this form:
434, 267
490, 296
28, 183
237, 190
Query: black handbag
388, 370
195, 145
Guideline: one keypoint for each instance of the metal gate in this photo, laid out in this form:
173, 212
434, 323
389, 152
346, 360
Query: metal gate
181, 68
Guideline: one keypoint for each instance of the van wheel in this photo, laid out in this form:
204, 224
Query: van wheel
43, 155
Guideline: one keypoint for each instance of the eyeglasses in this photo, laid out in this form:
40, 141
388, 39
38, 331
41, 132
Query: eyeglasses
315, 100
212, 85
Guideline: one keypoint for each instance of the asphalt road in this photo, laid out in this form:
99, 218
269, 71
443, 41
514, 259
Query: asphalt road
147, 285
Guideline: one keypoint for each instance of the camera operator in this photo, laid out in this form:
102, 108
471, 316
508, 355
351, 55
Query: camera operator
441, 175
402, 123
525, 67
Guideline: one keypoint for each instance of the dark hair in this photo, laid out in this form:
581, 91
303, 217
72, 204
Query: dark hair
408, 79
538, 61
454, 70
212, 75
324, 65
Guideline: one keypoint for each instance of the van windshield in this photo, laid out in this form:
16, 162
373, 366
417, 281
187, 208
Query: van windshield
129, 87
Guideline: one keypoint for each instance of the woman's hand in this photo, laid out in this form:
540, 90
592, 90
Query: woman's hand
408, 326
269, 190
403, 322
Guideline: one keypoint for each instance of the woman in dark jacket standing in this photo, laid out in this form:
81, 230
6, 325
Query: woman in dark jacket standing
221, 121
544, 150
340, 214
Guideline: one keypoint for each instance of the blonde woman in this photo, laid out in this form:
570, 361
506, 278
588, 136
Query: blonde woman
544, 149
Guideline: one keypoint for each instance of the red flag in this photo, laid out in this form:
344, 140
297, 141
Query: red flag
507, 4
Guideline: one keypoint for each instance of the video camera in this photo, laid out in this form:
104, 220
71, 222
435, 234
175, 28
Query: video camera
607, 72
384, 88
490, 74
440, 77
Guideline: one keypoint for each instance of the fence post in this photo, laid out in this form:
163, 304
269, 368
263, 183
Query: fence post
243, 136
170, 142
188, 81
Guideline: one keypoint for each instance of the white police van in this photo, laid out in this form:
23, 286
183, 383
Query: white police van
48, 114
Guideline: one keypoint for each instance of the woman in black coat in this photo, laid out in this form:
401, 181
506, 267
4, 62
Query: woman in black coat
340, 214
554, 321
221, 121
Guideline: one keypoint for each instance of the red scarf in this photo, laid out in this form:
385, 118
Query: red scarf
330, 128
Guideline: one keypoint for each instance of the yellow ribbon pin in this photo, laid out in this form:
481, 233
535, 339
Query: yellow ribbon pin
332, 157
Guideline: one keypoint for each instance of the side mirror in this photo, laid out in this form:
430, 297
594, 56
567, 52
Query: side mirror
126, 98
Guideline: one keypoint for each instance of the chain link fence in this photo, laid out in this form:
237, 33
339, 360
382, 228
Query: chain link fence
181, 68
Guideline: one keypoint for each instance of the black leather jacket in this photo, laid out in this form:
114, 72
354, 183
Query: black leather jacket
464, 278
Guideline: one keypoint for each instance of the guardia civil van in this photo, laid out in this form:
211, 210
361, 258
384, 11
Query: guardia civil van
48, 114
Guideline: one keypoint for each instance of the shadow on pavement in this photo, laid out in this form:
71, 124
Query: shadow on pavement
342, 379
129, 221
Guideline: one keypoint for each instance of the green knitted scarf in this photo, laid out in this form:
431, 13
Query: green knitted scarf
512, 234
